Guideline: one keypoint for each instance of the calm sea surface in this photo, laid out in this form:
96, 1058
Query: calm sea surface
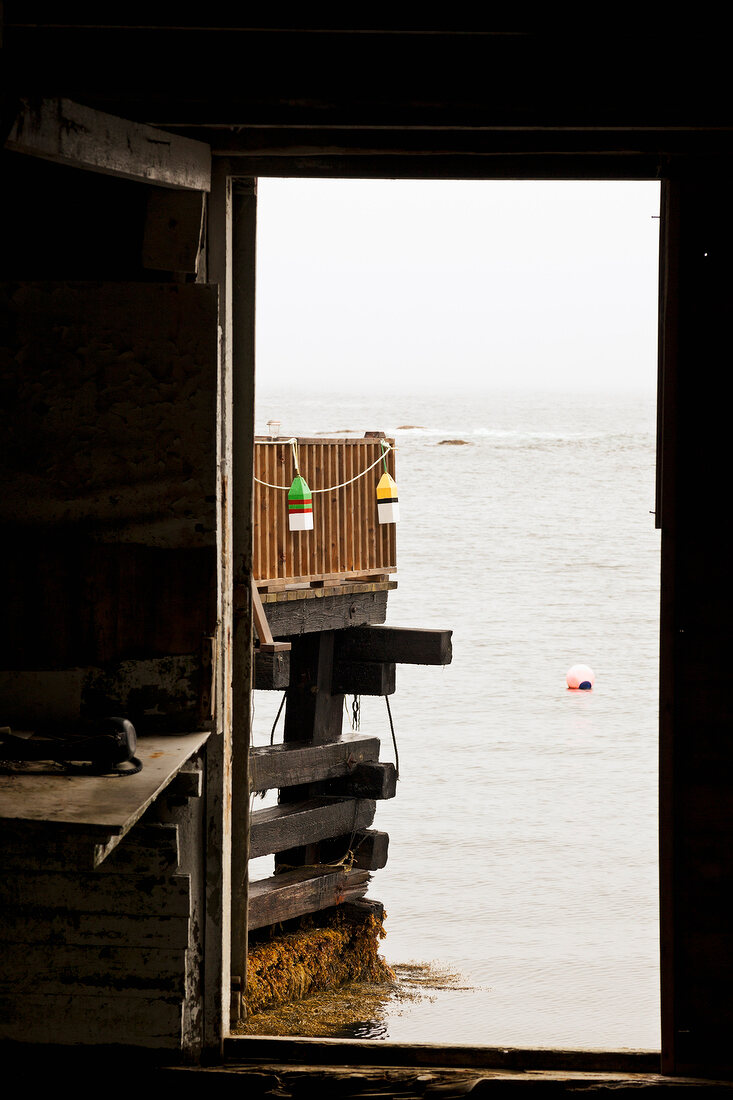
523, 839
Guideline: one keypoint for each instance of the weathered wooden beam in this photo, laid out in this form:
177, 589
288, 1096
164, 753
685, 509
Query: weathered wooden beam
294, 824
152, 1021
365, 907
297, 762
150, 849
188, 783
364, 677
369, 780
313, 711
294, 893
70, 133
129, 894
48, 925
272, 670
322, 611
48, 969
370, 848
29, 846
261, 625
393, 643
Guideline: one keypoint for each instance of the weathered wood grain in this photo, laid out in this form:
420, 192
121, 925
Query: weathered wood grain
83, 970
71, 133
365, 907
187, 783
158, 695
136, 895
319, 610
296, 762
313, 712
293, 893
368, 780
370, 848
272, 671
98, 806
132, 460
147, 849
293, 824
151, 1022
391, 643
284, 1052
364, 677
22, 926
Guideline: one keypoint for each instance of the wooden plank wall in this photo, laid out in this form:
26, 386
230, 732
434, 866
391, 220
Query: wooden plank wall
108, 465
347, 537
112, 954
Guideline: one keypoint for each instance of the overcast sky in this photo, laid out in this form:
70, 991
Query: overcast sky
459, 283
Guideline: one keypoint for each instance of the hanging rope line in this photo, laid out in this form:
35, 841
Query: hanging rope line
331, 488
384, 455
394, 738
277, 716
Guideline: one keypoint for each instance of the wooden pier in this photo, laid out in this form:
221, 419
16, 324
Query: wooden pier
320, 600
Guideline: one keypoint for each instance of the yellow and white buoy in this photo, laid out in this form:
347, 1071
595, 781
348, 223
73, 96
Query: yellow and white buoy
388, 507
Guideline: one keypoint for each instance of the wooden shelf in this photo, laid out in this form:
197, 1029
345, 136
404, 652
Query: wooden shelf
97, 810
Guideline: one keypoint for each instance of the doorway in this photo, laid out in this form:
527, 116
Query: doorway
538, 847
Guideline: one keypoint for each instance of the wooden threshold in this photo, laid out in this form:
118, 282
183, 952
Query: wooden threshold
268, 1051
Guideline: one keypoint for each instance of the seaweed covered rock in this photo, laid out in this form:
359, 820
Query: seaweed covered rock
328, 950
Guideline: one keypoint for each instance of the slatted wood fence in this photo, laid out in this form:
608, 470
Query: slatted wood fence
347, 539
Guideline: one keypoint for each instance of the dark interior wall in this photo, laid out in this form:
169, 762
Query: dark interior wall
108, 378
67, 223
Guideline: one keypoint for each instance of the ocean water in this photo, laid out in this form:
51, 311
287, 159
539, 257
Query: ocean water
523, 838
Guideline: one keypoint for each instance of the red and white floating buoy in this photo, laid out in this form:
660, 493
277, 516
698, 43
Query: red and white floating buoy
580, 677
388, 507
300, 505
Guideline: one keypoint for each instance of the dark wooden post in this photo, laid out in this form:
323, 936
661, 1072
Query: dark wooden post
312, 714
696, 749
241, 331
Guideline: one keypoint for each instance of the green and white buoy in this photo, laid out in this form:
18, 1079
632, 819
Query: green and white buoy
300, 505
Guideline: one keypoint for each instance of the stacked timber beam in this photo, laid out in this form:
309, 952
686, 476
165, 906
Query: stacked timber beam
98, 945
328, 782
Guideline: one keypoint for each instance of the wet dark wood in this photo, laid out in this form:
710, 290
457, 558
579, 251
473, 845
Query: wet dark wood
148, 849
272, 670
313, 712
390, 643
293, 893
291, 763
363, 677
370, 848
372, 780
290, 825
322, 611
